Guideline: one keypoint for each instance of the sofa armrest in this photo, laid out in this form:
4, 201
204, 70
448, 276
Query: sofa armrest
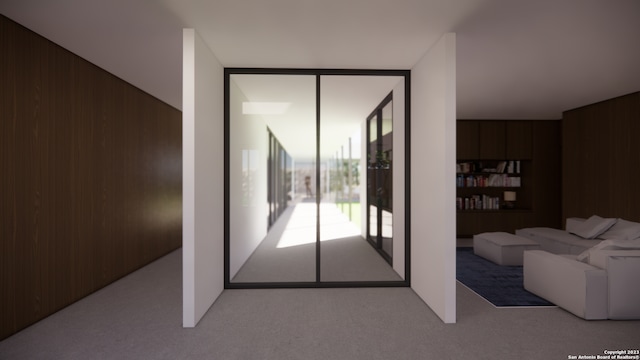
624, 289
575, 286
599, 258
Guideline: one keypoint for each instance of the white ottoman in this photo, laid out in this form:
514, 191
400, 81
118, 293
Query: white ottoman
502, 248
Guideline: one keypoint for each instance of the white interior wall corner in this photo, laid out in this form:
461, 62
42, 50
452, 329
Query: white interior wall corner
433, 216
203, 182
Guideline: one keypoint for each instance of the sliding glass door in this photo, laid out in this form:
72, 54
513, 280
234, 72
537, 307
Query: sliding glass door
298, 198
268, 171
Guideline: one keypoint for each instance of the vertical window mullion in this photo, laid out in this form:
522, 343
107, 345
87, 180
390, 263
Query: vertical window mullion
318, 188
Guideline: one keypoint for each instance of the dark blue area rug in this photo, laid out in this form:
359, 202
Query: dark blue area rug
500, 285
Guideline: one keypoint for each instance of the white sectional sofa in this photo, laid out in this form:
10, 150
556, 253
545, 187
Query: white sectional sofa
580, 271
607, 288
566, 241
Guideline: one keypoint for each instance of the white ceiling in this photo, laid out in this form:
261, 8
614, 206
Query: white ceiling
517, 59
345, 102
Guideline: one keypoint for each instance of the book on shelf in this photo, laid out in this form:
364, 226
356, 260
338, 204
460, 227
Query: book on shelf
513, 167
491, 180
500, 167
478, 202
514, 181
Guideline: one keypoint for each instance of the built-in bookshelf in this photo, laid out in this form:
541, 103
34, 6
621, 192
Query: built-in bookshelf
489, 185
517, 157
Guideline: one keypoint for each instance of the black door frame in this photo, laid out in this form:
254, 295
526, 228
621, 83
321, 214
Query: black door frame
376, 165
406, 74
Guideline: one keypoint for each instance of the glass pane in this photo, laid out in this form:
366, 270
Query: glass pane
373, 129
272, 210
387, 119
387, 232
373, 222
350, 143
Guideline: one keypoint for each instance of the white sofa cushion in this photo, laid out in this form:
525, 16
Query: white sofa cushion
573, 222
593, 226
622, 230
558, 241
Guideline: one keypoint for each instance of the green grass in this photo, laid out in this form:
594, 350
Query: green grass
355, 211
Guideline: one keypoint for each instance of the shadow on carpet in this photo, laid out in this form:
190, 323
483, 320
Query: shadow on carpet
500, 285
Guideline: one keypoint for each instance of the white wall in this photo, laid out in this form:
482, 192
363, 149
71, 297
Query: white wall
203, 178
398, 179
248, 196
433, 159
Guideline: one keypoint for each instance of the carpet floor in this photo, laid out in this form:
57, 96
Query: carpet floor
140, 317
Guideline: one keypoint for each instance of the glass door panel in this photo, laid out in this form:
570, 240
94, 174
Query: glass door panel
272, 146
346, 255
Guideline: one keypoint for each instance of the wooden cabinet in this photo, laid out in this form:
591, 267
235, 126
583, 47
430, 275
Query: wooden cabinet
495, 139
491, 141
518, 139
469, 223
467, 139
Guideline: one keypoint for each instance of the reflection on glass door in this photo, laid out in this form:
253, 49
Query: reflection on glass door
266, 178
279, 175
380, 179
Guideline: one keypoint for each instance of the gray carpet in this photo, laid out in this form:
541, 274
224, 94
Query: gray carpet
282, 257
139, 317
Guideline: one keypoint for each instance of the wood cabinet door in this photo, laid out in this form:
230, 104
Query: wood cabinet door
466, 224
467, 139
492, 144
519, 135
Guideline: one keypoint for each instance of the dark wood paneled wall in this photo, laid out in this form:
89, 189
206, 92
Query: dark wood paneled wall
601, 159
91, 182
547, 170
